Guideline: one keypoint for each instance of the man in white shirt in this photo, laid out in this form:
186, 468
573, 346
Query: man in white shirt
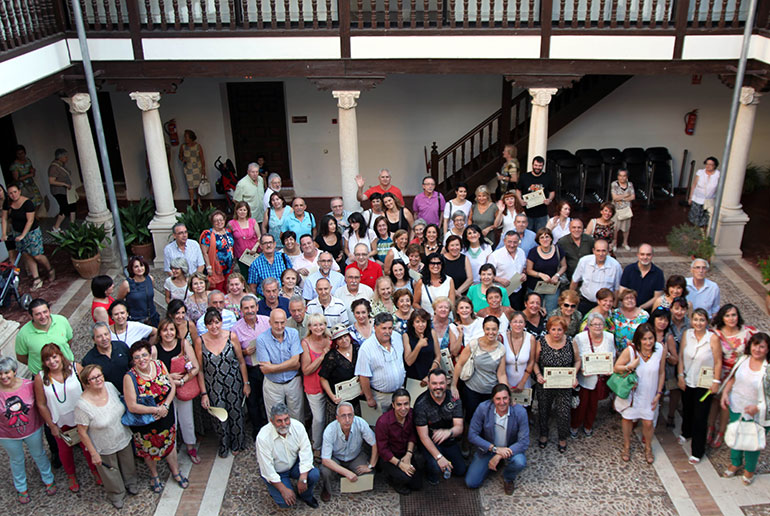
325, 261
596, 271
181, 247
332, 308
352, 289
510, 262
340, 214
284, 453
217, 300
701, 291
380, 364
307, 262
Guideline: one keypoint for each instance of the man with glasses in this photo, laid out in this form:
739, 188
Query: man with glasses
380, 364
340, 214
383, 187
596, 271
701, 291
429, 205
269, 264
325, 261
369, 269
352, 290
510, 262
181, 247
342, 453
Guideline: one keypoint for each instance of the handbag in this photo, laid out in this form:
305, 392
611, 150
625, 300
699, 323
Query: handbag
204, 188
131, 419
71, 437
190, 389
469, 366
622, 385
624, 213
745, 435
215, 276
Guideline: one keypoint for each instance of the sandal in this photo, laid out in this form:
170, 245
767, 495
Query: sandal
710, 436
50, 489
74, 486
648, 456
182, 481
23, 497
156, 485
542, 444
193, 453
718, 440
731, 472
747, 481
626, 454
36, 284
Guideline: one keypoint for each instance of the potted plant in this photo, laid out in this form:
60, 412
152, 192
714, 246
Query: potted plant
135, 219
764, 269
196, 220
690, 241
83, 242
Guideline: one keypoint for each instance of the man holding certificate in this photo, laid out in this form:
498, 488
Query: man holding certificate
597, 355
535, 192
557, 362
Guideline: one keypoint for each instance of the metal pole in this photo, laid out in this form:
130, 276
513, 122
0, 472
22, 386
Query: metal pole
747, 29
89, 73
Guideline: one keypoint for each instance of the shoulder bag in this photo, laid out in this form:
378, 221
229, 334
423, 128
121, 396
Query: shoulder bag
190, 389
469, 366
131, 419
745, 435
623, 384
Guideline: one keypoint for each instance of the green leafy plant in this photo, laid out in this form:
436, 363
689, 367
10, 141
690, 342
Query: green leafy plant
756, 178
135, 219
196, 220
689, 240
764, 269
81, 241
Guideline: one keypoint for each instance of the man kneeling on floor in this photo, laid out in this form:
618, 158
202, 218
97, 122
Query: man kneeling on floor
342, 452
500, 433
284, 453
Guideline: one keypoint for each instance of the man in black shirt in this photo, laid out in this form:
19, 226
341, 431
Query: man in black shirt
537, 179
112, 356
439, 422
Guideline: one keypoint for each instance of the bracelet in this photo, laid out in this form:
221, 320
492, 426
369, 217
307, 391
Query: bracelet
716, 381
399, 463
439, 457
660, 393
410, 451
681, 375
204, 394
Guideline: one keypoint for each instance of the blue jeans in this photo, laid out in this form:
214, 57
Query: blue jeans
312, 479
15, 449
549, 301
535, 223
479, 470
452, 453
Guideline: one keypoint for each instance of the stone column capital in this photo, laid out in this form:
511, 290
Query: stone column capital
79, 103
749, 96
542, 96
346, 99
146, 100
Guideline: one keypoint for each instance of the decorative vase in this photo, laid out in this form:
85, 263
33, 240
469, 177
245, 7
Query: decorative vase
88, 268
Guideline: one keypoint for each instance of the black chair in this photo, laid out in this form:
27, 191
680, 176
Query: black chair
612, 160
593, 174
661, 167
635, 161
568, 176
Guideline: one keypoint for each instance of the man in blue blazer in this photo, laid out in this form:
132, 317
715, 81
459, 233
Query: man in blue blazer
500, 433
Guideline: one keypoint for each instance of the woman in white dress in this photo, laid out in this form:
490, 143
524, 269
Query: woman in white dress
519, 354
433, 284
593, 340
459, 203
559, 225
647, 358
476, 249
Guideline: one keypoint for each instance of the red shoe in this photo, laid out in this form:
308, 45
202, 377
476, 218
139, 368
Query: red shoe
193, 453
74, 486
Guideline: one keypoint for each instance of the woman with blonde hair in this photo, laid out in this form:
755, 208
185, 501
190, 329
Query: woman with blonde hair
236, 289
484, 213
315, 346
197, 299
382, 300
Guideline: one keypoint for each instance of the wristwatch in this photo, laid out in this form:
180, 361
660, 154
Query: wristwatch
304, 481
494, 449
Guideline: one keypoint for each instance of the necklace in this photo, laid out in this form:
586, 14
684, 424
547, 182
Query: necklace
53, 386
474, 254
125, 335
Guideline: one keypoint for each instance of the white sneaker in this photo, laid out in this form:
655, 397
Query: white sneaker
681, 439
693, 460
625, 246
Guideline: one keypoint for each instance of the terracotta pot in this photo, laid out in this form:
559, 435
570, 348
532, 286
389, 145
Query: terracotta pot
88, 268
146, 251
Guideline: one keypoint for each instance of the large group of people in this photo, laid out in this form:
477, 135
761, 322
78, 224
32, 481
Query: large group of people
417, 344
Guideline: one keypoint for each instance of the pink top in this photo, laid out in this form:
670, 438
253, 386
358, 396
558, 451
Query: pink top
18, 414
312, 382
244, 238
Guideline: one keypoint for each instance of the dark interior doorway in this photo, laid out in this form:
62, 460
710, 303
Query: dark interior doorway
258, 120
7, 146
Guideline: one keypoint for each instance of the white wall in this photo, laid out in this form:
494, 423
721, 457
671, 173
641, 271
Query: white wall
649, 112
42, 128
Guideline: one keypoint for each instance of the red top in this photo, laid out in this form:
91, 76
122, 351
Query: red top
311, 381
393, 189
106, 306
370, 274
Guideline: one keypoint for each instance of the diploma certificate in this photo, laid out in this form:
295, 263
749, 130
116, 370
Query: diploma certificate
522, 398
415, 389
348, 390
597, 363
369, 414
533, 199
545, 288
514, 284
446, 364
559, 377
705, 377
364, 483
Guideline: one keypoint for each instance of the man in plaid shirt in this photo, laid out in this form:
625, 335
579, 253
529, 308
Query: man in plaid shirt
269, 264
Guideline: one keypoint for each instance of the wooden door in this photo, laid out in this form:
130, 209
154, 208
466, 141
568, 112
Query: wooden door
258, 120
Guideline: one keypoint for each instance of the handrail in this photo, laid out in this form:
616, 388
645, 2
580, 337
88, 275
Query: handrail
467, 136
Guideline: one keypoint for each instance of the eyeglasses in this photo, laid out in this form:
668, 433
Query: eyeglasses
568, 305
94, 378
434, 263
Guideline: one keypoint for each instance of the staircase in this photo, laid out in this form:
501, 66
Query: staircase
475, 157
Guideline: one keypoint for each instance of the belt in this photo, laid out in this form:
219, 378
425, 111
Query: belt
280, 383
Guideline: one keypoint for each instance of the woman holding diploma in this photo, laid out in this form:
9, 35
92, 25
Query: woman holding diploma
555, 349
488, 367
421, 347
648, 359
700, 349
338, 365
519, 354
593, 341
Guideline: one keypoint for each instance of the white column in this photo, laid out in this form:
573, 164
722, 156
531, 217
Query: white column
538, 122
165, 212
93, 183
732, 218
348, 128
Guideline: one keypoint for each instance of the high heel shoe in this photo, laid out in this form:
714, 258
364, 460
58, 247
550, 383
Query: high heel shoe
74, 486
718, 440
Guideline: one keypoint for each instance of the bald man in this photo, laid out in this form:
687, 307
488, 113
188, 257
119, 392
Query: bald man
278, 352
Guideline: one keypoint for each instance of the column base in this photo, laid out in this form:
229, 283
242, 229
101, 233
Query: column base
160, 227
730, 233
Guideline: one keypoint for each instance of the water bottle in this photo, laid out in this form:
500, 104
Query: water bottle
447, 473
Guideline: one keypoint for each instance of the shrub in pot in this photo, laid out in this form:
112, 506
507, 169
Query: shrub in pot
83, 242
135, 219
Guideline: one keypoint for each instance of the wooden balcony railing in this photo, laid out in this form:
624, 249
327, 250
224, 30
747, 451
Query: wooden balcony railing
25, 21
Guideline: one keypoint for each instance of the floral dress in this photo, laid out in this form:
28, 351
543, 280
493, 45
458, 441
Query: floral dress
733, 347
156, 440
625, 327
225, 245
604, 231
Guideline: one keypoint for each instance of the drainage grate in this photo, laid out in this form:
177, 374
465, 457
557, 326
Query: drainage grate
449, 497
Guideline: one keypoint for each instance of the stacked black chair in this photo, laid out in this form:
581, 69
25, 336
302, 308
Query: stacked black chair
635, 161
660, 164
612, 160
568, 174
592, 165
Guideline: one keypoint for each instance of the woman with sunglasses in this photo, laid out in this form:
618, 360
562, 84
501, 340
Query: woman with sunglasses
433, 284
567, 308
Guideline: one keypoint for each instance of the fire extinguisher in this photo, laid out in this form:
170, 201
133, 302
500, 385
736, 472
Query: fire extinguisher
689, 122
170, 128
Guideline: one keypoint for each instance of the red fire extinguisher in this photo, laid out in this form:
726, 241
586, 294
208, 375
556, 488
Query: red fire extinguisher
689, 122
170, 128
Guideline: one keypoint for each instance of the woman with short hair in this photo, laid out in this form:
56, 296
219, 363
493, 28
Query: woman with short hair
139, 293
547, 263
403, 299
102, 288
175, 286
603, 226
477, 292
382, 300
421, 347
626, 318
127, 331
434, 284
676, 286
457, 265
567, 307
484, 213
197, 299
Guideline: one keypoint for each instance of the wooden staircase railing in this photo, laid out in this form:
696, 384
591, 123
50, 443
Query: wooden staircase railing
474, 157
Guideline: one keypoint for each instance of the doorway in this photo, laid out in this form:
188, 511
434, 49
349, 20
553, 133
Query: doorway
258, 121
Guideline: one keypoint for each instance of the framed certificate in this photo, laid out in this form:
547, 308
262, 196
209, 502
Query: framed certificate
705, 377
545, 288
522, 398
348, 390
559, 377
446, 364
597, 363
247, 258
535, 198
